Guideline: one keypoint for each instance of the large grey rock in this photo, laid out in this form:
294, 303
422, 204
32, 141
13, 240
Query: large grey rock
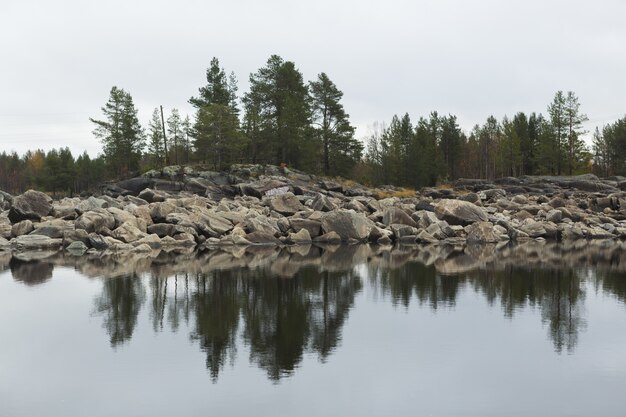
286, 204
312, 226
5, 200
153, 196
5, 230
395, 215
162, 229
482, 232
127, 233
323, 203
302, 236
330, 237
5, 245
32, 205
55, 232
348, 224
554, 216
74, 235
98, 242
35, 242
261, 224
160, 210
92, 203
460, 212
533, 228
77, 248
22, 228
94, 221
262, 238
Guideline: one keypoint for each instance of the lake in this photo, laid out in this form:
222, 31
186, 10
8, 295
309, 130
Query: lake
528, 330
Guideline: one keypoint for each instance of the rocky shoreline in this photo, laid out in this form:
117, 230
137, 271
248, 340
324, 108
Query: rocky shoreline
181, 209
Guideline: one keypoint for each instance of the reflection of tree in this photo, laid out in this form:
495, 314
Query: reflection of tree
120, 302
415, 279
285, 317
330, 310
562, 306
613, 283
30, 272
215, 304
277, 323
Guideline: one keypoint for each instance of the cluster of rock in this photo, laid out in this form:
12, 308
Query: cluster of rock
181, 209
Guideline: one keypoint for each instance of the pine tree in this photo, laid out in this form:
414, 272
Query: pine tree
121, 134
574, 120
217, 138
175, 132
559, 130
155, 139
278, 114
340, 150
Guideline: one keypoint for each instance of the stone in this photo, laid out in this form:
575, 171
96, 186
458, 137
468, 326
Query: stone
162, 229
425, 237
35, 242
323, 203
94, 221
76, 248
151, 240
160, 210
55, 232
123, 216
331, 186
98, 242
314, 227
22, 228
5, 200
520, 199
92, 203
262, 238
348, 224
261, 224
395, 215
32, 205
286, 204
482, 232
460, 212
330, 237
302, 236
153, 196
6, 230
73, 235
401, 230
533, 228
127, 233
5, 245
554, 216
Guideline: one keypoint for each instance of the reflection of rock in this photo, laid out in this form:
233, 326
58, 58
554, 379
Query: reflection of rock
30, 272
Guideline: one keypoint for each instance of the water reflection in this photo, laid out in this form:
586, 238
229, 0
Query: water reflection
119, 303
284, 303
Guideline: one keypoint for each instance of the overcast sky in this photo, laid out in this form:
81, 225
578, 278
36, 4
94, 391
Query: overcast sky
59, 59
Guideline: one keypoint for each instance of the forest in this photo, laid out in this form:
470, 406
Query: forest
284, 120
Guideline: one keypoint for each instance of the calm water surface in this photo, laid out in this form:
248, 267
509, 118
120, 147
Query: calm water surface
535, 330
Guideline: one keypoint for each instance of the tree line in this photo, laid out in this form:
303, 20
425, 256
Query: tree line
284, 120
55, 171
435, 149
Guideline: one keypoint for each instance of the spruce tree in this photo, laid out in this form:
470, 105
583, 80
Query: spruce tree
278, 114
120, 133
155, 139
340, 150
217, 138
574, 121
